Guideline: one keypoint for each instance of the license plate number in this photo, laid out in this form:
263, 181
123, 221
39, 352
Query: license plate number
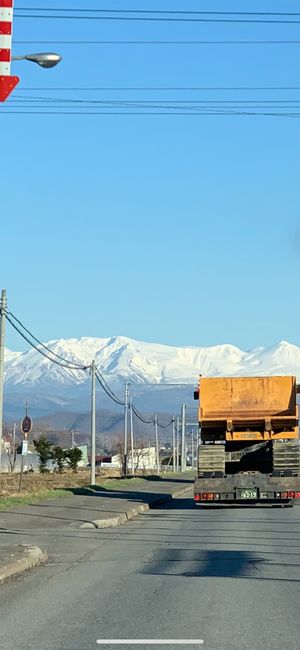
248, 494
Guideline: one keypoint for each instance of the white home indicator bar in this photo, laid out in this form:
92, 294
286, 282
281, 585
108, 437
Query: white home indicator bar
150, 641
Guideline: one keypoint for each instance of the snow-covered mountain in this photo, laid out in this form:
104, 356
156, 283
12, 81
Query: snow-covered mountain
29, 375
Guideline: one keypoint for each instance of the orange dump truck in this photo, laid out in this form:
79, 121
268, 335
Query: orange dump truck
249, 436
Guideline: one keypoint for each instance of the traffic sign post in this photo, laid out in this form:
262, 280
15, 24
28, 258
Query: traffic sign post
24, 447
26, 426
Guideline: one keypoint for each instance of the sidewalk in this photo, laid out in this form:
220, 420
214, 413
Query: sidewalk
66, 528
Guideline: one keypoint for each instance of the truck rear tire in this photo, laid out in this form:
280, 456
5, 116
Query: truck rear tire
211, 459
286, 456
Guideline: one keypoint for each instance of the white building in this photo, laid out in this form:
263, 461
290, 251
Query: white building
143, 459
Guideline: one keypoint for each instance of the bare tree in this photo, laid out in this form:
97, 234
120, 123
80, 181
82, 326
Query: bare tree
141, 457
11, 452
9, 445
116, 447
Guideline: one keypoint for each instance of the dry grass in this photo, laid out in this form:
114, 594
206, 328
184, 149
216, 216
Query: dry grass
33, 483
50, 485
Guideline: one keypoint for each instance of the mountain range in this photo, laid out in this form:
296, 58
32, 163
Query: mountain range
149, 367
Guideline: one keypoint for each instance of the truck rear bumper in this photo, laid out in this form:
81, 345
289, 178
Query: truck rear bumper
247, 488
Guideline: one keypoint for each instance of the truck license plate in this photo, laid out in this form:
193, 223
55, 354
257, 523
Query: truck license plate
248, 494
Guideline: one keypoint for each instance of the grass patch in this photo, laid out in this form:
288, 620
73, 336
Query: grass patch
38, 487
42, 495
35, 492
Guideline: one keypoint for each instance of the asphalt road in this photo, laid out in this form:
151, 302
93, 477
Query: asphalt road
228, 576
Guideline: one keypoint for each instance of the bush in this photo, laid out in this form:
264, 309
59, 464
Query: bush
60, 456
73, 457
43, 448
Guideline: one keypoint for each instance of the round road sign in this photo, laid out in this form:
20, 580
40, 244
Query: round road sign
26, 425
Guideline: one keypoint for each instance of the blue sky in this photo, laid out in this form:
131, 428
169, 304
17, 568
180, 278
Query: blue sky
175, 229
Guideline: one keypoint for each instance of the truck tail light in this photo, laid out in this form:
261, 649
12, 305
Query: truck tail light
291, 494
297, 495
284, 495
209, 496
197, 497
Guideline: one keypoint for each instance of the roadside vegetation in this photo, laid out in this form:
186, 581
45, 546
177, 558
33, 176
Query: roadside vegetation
62, 458
59, 475
40, 486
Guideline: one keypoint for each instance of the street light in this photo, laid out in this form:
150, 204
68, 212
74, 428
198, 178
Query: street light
9, 82
44, 59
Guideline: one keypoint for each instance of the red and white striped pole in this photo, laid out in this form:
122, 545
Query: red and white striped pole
7, 82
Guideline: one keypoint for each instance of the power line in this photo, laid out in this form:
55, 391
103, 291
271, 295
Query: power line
150, 113
156, 16
107, 389
162, 42
65, 372
163, 11
286, 108
74, 366
140, 417
112, 396
167, 20
30, 98
165, 426
26, 338
68, 366
154, 103
60, 361
158, 88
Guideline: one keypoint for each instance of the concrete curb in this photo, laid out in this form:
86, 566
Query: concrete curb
33, 556
112, 522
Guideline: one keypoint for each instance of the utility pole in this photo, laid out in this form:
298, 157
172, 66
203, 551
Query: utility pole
2, 337
131, 436
197, 450
183, 458
177, 443
156, 444
193, 449
14, 436
93, 424
174, 444
125, 429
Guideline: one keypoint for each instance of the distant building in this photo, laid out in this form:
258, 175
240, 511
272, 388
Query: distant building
84, 458
143, 459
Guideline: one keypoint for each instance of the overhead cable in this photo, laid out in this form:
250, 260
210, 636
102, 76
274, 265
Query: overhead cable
76, 15
162, 11
165, 426
107, 390
161, 42
140, 417
156, 88
74, 365
28, 100
151, 113
38, 349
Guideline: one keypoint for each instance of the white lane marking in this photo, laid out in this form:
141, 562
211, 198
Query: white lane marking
150, 641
